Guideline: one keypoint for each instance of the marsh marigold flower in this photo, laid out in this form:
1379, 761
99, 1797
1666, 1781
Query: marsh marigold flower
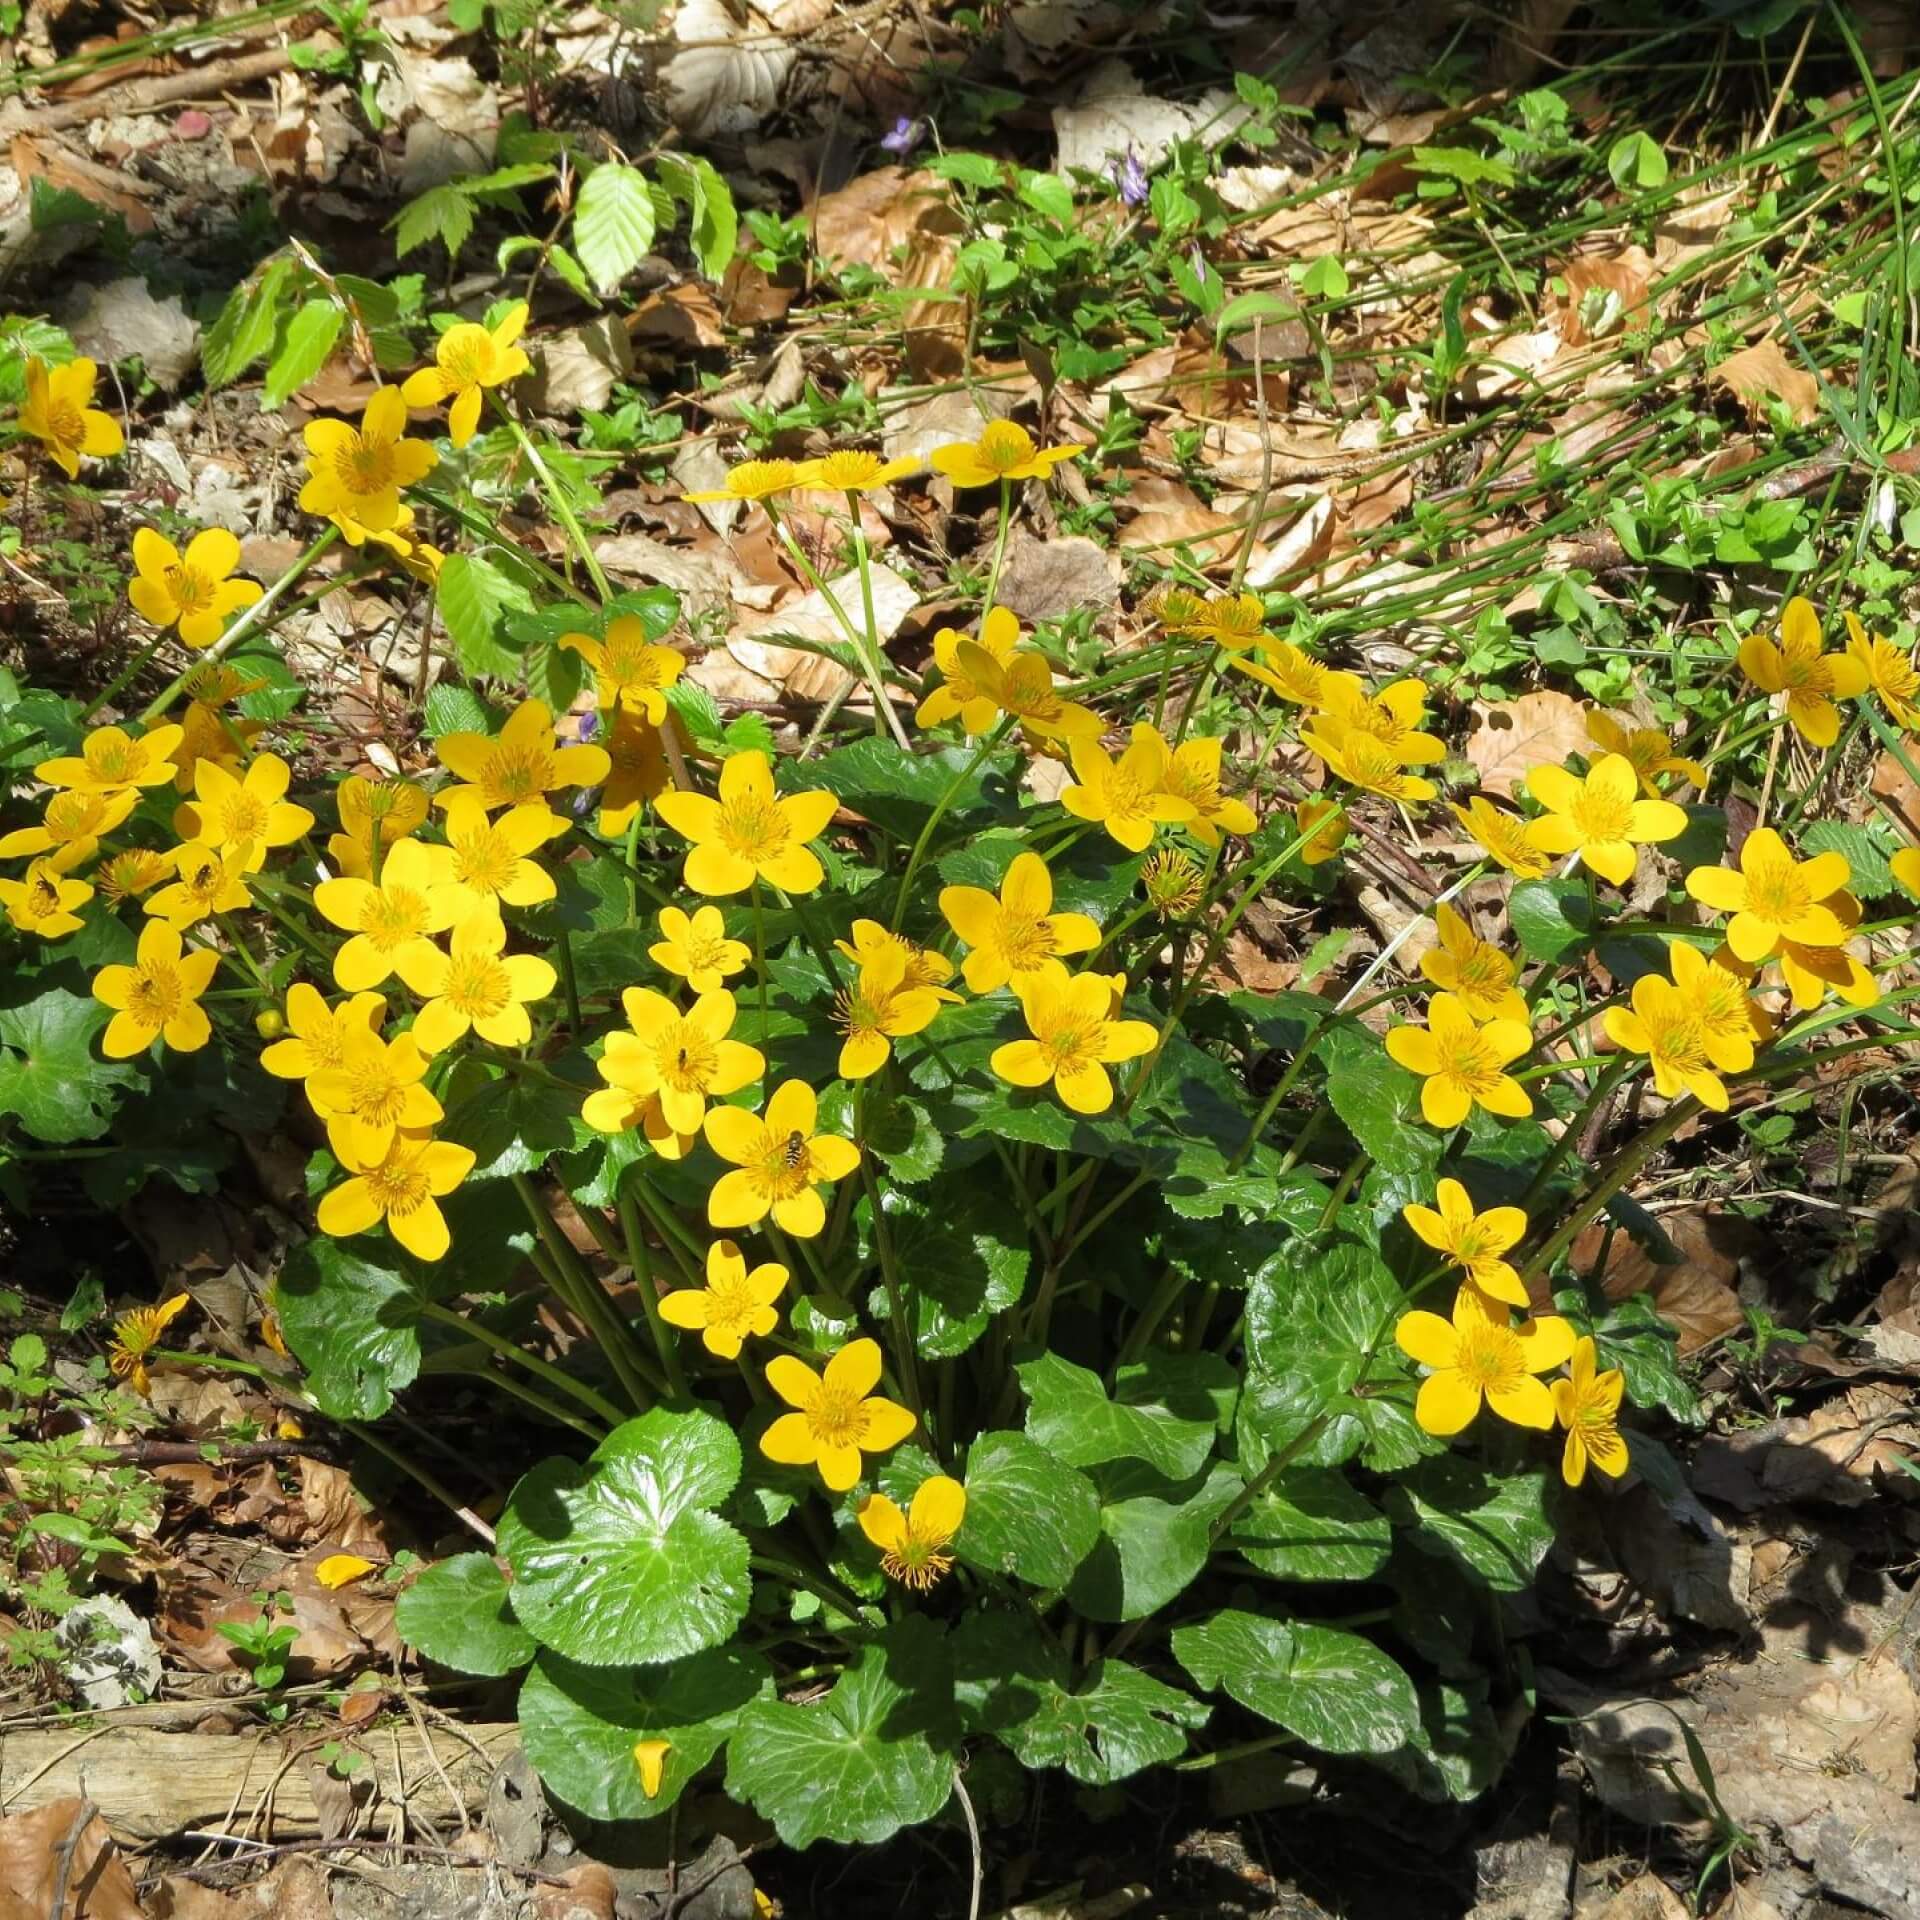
1363, 760
1172, 882
780, 1163
1294, 675
1890, 673
111, 760
1462, 1065
208, 732
1601, 818
1016, 933
736, 1302
43, 902
1504, 838
157, 998
1392, 716
1325, 825
1477, 1243
356, 473
244, 816
1127, 796
1664, 1024
60, 414
852, 472
1472, 969
73, 826
212, 880
376, 1089
1193, 775
1235, 621
1023, 690
924, 967
403, 1187
1774, 898
959, 695
1004, 451
1646, 750
1177, 608
1587, 1404
392, 924
837, 1416
637, 770
749, 833
194, 591
318, 1035
878, 1009
696, 946
914, 1545
1076, 1036
467, 359
478, 986
136, 1334
630, 670
522, 763
487, 864
1731, 1025
130, 874
1810, 680
754, 480
1480, 1358
375, 816
685, 1058
1812, 972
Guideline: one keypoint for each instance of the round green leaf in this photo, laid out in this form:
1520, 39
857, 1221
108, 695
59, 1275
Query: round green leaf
353, 1324
1310, 1524
50, 1077
1496, 1525
579, 1725
1028, 1513
1334, 1689
458, 1613
1155, 1535
621, 1560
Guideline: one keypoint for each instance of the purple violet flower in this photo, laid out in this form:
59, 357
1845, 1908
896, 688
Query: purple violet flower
1130, 177
904, 137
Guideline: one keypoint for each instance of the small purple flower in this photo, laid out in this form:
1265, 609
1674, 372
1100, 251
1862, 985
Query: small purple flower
904, 137
589, 725
1126, 173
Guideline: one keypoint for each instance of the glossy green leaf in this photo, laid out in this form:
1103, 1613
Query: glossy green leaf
1496, 1525
1313, 1524
457, 1613
1029, 1515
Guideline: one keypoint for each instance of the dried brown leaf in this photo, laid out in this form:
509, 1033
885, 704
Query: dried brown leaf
1510, 736
59, 1851
1761, 373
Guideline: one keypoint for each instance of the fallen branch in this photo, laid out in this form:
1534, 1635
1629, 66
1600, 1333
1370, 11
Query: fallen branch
142, 96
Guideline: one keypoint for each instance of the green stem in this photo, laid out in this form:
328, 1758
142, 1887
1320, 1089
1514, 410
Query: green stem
595, 1402
629, 1211
570, 981
1617, 1070
920, 845
130, 671
999, 550
561, 511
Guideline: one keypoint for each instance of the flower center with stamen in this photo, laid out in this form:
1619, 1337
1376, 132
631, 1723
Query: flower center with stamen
1483, 972
633, 662
1072, 1049
376, 1094
1676, 1038
1488, 1355
364, 467
1125, 793
1721, 1005
855, 1013
398, 1185
686, 1058
1025, 943
1602, 815
847, 472
43, 897
244, 817
786, 1167
731, 1307
1371, 763
190, 588
1196, 784
1776, 892
916, 1563
754, 830
1468, 1058
466, 358
836, 1418
483, 860
479, 987
66, 423
517, 773
393, 915
1004, 446
74, 816
154, 997
111, 759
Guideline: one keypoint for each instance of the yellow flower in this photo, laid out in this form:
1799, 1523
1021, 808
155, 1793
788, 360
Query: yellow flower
1587, 1404
1193, 775
1646, 749
402, 1187
356, 531
1076, 1037
357, 473
754, 480
1392, 716
1018, 933
467, 358
650, 1762
113, 761
629, 670
136, 1334
478, 986
1811, 973
374, 1091
1664, 1025
193, 591
157, 997
697, 948
128, 875
838, 1415
913, 1545
1890, 673
208, 733
1004, 451
1463, 1065
1504, 837
1481, 1358
615, 1110
518, 765
852, 472
375, 816
1730, 1024
339, 1570
878, 1009
390, 923
1473, 969
1173, 884
1811, 680
487, 865
1474, 1242
320, 1034
779, 1163
1600, 817
637, 771
1906, 868
211, 881
73, 826
1177, 608
975, 702
1295, 676
243, 817
43, 903
748, 834
1774, 898
58, 413
733, 1304
1326, 826
422, 561
1127, 796
1235, 621
685, 1058
924, 967
1364, 761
